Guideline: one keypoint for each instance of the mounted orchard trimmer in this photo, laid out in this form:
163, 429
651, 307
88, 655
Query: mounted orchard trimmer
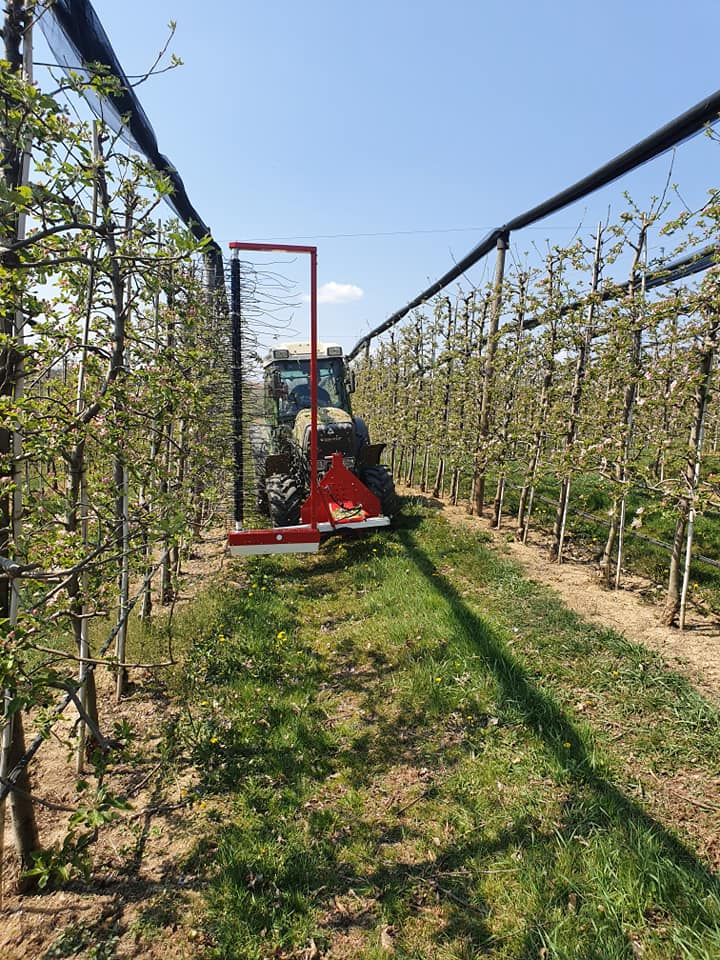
316, 471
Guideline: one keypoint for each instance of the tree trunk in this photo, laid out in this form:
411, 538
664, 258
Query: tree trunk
438, 478
581, 362
617, 516
498, 502
424, 479
13, 172
527, 495
484, 427
411, 468
672, 597
455, 487
677, 590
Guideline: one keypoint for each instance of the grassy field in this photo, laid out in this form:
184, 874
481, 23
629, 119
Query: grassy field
407, 749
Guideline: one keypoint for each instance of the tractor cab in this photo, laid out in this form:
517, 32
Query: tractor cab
287, 381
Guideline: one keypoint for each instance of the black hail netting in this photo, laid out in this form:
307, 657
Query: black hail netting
77, 39
260, 302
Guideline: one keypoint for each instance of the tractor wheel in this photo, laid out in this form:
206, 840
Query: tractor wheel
260, 447
284, 500
379, 481
261, 499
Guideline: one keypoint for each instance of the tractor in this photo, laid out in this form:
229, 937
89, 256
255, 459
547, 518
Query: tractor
280, 441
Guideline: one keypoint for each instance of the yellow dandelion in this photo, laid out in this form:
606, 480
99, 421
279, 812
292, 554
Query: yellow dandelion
567, 745
213, 739
281, 635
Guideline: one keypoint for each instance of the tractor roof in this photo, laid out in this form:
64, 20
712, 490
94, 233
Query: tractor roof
301, 351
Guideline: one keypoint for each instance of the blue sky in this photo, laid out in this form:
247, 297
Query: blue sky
415, 127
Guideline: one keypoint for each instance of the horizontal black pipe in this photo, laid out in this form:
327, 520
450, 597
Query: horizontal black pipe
673, 133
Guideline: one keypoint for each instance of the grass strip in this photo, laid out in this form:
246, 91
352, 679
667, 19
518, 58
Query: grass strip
406, 748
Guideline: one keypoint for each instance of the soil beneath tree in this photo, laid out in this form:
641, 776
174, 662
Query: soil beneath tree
142, 873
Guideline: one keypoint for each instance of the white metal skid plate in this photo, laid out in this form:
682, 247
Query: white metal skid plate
246, 543
298, 539
255, 549
368, 524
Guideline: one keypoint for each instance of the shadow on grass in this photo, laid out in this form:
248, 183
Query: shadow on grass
263, 884
611, 807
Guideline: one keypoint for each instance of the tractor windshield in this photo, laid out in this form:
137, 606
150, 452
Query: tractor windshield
295, 376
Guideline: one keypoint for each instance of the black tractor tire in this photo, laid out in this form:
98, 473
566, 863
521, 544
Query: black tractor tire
379, 481
261, 499
284, 500
260, 447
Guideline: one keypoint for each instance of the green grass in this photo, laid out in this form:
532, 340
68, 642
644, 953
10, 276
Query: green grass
403, 742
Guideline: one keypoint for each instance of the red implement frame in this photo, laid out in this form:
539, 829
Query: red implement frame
340, 500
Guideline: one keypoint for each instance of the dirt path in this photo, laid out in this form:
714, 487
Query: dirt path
695, 652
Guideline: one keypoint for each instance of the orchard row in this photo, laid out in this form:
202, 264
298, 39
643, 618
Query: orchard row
558, 378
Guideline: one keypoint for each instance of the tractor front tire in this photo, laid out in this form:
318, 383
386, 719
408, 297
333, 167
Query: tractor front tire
284, 500
261, 499
379, 481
